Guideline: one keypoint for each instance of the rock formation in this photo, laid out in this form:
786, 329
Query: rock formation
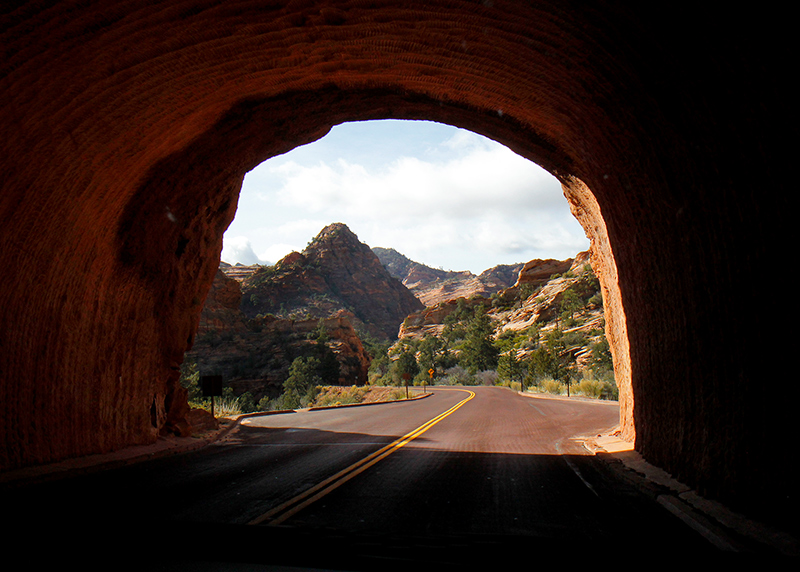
562, 309
254, 355
221, 310
238, 272
334, 272
537, 272
253, 326
534, 298
432, 286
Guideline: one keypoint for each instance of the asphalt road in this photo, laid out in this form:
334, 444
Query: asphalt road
461, 477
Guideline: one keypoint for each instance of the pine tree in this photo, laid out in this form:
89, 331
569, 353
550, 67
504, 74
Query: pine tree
328, 368
300, 387
478, 352
405, 365
510, 368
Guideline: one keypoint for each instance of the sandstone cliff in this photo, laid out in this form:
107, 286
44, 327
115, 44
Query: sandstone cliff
334, 272
254, 355
221, 310
433, 286
537, 299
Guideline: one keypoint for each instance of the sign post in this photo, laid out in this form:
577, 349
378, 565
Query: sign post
430, 373
211, 385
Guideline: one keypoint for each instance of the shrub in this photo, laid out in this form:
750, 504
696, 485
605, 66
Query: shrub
610, 391
457, 375
486, 377
589, 388
340, 395
246, 402
549, 385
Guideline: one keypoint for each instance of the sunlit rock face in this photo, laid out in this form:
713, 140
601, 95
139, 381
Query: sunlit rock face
334, 272
432, 286
126, 129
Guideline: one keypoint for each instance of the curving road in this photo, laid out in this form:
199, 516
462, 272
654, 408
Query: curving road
459, 476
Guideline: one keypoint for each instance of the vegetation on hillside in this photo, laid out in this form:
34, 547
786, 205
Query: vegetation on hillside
560, 353
562, 350
303, 388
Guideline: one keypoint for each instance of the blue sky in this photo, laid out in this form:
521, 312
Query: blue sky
440, 195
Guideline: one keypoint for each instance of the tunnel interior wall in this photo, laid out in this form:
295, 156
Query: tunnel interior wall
127, 128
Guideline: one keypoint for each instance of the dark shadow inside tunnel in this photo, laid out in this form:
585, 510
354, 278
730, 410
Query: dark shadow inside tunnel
459, 515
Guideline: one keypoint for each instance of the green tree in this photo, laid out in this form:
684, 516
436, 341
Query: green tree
601, 362
247, 403
540, 365
405, 365
190, 380
453, 331
550, 359
570, 303
478, 352
509, 368
300, 387
328, 369
434, 353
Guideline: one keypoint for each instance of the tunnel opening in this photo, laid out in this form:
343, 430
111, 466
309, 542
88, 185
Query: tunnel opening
470, 195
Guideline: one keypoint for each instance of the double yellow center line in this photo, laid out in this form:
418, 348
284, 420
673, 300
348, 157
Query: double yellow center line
291, 507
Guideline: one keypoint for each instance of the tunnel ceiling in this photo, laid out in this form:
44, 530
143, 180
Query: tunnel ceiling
128, 126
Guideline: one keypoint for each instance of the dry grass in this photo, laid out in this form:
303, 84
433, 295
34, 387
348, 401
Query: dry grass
335, 395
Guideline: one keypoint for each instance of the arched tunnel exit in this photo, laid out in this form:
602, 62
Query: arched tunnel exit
251, 119
127, 130
434, 193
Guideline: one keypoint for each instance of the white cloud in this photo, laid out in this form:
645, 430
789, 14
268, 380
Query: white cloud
277, 251
465, 202
238, 249
493, 178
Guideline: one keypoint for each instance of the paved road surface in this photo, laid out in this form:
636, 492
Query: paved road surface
461, 477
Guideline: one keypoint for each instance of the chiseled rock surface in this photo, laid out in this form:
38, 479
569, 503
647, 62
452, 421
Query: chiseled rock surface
221, 311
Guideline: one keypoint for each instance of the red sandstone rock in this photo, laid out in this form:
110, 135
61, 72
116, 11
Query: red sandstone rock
537, 272
335, 272
201, 420
433, 286
221, 310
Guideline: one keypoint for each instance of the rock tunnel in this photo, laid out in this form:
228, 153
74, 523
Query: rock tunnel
127, 128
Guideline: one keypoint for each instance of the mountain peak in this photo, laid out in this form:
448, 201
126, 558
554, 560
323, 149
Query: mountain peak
335, 271
337, 231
